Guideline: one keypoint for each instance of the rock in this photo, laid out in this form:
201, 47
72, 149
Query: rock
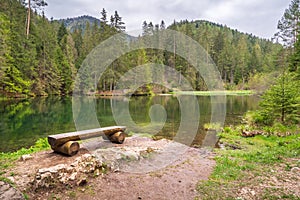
97, 172
93, 165
73, 176
8, 192
67, 174
81, 182
26, 157
252, 192
295, 170
11, 178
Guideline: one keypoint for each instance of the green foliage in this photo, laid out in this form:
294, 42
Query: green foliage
46, 61
7, 158
260, 82
256, 157
288, 25
281, 101
295, 59
212, 126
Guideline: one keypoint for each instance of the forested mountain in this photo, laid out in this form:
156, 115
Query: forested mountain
79, 22
237, 55
43, 58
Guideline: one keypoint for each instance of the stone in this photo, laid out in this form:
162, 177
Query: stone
97, 172
82, 182
9, 192
26, 157
11, 178
295, 170
73, 176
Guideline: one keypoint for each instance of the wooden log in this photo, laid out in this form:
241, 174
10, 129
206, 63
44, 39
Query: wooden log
117, 137
57, 140
69, 148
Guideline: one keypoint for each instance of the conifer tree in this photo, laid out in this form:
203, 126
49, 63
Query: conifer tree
288, 25
281, 101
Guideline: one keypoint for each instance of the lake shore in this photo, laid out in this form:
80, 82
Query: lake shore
45, 175
197, 93
260, 167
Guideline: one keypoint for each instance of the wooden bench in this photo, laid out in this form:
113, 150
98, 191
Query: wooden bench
66, 142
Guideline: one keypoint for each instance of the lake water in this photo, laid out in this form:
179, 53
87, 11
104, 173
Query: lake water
23, 121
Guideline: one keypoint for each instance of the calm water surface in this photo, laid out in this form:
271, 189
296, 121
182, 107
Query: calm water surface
22, 122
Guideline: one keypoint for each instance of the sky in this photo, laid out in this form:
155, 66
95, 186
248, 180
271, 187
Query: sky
259, 17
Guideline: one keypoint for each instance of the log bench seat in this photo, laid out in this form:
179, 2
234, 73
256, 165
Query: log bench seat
66, 142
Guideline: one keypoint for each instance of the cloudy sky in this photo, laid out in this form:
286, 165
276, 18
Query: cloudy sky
259, 17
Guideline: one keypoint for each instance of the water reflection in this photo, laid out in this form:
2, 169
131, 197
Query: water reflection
22, 122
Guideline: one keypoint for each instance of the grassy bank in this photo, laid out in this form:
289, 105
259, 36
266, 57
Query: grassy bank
7, 159
260, 167
214, 93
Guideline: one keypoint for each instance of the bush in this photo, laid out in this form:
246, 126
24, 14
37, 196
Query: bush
280, 102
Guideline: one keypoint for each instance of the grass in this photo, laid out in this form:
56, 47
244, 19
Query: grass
255, 162
215, 93
7, 159
212, 126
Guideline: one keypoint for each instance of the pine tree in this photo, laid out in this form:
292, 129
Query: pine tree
281, 101
150, 28
242, 59
117, 23
295, 59
5, 54
289, 24
162, 25
145, 28
62, 31
104, 16
35, 4
78, 41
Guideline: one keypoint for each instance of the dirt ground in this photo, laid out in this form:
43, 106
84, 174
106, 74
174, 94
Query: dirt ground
176, 181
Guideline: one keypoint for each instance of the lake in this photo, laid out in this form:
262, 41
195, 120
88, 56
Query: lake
23, 121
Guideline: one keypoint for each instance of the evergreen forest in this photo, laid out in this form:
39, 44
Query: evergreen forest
40, 56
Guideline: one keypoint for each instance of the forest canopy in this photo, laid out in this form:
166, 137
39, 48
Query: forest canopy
39, 56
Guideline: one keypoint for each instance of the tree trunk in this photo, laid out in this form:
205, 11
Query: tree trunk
243, 78
28, 19
231, 76
111, 86
282, 114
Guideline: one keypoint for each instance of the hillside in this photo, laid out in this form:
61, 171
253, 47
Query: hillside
45, 61
79, 22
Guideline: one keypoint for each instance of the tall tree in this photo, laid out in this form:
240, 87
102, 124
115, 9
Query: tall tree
242, 59
104, 16
289, 24
162, 25
117, 23
145, 28
62, 31
35, 4
295, 59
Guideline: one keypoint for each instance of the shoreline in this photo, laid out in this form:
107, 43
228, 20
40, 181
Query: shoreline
111, 94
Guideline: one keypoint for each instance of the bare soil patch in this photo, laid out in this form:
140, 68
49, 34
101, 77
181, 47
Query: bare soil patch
178, 180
